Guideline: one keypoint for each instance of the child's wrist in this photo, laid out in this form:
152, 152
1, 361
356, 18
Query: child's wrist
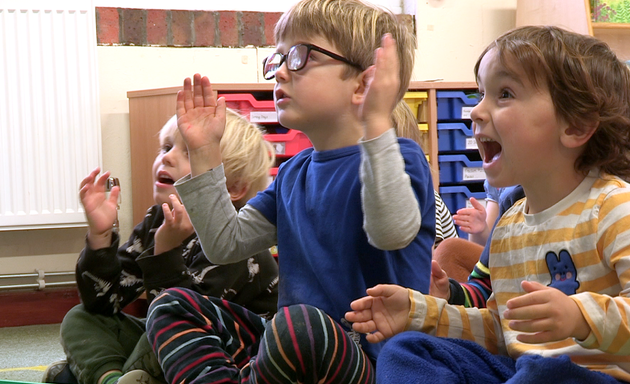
203, 160
376, 126
99, 240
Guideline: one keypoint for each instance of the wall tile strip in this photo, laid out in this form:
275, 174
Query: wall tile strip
181, 28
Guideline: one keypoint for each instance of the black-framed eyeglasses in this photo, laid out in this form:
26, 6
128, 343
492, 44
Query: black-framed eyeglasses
296, 59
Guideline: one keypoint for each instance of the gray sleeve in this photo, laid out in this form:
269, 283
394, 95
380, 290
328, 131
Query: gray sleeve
391, 212
226, 236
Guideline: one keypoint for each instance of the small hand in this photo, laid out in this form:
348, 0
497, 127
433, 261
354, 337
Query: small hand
100, 210
175, 229
201, 121
382, 87
471, 220
545, 314
381, 314
440, 286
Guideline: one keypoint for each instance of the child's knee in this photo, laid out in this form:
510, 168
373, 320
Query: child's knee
75, 318
300, 323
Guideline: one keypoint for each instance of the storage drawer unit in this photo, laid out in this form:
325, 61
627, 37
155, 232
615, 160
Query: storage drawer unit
456, 169
455, 105
288, 144
256, 111
455, 137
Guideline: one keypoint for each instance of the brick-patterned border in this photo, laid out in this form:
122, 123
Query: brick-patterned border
180, 28
177, 28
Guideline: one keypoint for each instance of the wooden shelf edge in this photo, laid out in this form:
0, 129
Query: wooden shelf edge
597, 25
246, 87
420, 85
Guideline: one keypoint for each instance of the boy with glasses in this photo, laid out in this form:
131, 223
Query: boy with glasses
357, 209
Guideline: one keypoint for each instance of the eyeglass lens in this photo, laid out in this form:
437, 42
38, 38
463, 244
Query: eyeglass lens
272, 64
296, 60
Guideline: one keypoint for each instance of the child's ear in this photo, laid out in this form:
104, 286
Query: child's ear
237, 190
362, 82
577, 136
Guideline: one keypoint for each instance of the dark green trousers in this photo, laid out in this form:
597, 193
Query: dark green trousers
95, 344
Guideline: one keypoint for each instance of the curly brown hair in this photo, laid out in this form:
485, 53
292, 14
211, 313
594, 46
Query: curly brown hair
588, 84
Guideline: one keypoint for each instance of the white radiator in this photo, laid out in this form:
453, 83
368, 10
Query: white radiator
49, 111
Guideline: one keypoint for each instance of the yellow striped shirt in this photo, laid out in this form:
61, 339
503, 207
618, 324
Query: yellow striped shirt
580, 246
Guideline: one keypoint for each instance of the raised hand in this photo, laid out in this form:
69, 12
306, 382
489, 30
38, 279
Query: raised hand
545, 314
175, 229
472, 220
382, 86
201, 121
100, 210
440, 286
382, 314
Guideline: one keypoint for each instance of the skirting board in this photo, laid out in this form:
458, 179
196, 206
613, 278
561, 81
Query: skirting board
47, 306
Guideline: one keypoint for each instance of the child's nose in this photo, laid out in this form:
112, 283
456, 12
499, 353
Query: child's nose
282, 73
477, 114
168, 158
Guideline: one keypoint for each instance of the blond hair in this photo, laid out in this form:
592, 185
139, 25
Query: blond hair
247, 157
405, 123
354, 27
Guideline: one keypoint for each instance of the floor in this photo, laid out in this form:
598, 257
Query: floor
26, 351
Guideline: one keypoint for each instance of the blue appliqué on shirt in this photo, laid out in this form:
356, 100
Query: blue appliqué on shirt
563, 272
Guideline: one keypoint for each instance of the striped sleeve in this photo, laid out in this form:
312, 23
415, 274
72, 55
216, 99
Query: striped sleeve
607, 315
436, 317
444, 225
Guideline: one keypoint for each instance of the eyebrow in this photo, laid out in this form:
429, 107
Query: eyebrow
510, 75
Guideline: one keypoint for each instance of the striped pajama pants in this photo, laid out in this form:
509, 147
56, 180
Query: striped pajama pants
200, 339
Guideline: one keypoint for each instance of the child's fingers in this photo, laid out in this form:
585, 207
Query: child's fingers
386, 55
175, 203
375, 337
89, 179
361, 316
180, 107
178, 209
198, 98
113, 195
476, 204
389, 55
364, 327
188, 98
220, 111
527, 300
384, 290
361, 304
437, 271
168, 215
102, 180
209, 99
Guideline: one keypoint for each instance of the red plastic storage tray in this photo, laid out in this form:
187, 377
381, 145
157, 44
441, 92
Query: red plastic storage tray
256, 111
288, 144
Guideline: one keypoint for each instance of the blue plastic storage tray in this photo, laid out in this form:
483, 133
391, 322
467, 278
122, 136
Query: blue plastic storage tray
457, 196
455, 105
455, 137
459, 168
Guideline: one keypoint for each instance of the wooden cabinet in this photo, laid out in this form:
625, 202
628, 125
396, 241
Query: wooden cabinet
150, 109
617, 36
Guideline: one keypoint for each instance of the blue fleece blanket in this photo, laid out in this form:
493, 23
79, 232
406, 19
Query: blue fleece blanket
414, 357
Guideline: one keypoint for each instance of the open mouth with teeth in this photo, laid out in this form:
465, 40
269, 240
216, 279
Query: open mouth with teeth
489, 149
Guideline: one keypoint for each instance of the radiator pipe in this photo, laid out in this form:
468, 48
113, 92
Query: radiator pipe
40, 278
